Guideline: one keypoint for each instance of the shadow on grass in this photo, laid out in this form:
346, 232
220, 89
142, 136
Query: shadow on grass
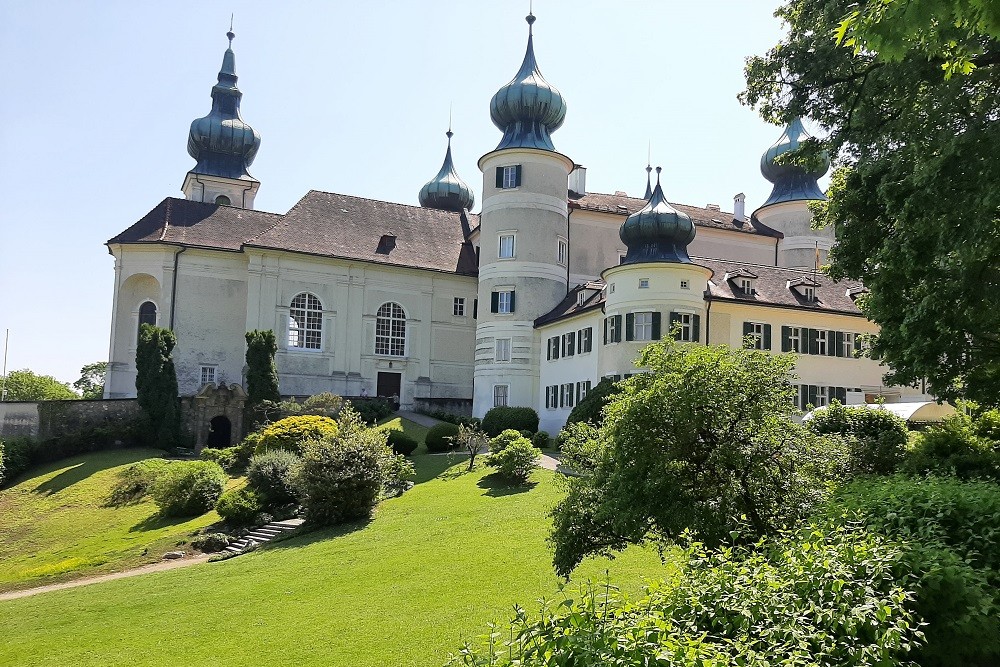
157, 521
79, 468
497, 486
431, 466
308, 536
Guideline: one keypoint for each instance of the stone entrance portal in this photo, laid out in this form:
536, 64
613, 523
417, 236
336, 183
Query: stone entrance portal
216, 415
220, 432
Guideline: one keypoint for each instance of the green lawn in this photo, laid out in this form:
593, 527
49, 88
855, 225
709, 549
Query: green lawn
430, 571
53, 525
412, 429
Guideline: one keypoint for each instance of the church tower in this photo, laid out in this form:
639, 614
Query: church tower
223, 145
787, 209
524, 239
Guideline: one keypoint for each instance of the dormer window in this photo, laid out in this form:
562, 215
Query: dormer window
223, 200
742, 281
809, 293
747, 285
581, 297
386, 244
805, 288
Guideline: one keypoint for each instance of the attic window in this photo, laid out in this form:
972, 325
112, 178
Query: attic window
622, 209
747, 286
386, 244
809, 293
581, 297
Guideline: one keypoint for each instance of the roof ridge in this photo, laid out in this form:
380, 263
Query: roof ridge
380, 201
804, 272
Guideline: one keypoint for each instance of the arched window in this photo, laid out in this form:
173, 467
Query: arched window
147, 314
305, 322
390, 330
223, 200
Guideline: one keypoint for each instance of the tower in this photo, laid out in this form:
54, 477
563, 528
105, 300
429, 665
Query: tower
787, 209
524, 239
223, 145
447, 191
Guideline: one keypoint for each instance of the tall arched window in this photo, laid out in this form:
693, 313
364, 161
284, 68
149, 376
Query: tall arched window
147, 313
390, 330
305, 322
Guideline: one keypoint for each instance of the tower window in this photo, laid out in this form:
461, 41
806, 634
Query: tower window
458, 307
208, 374
643, 283
506, 246
686, 326
390, 330
509, 177
642, 326
500, 395
502, 302
223, 200
685, 284
305, 322
147, 314
502, 350
562, 250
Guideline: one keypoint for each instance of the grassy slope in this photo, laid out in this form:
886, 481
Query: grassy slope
53, 525
429, 572
412, 429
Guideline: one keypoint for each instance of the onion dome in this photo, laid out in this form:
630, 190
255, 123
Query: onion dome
791, 182
447, 191
529, 108
658, 232
221, 142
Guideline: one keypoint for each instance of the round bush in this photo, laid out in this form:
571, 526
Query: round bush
438, 437
188, 488
515, 461
504, 417
241, 507
540, 439
289, 433
211, 542
401, 443
270, 473
954, 448
504, 440
876, 439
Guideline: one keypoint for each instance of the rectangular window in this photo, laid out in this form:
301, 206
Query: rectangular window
569, 344
810, 294
502, 302
793, 339
821, 342
685, 322
847, 345
584, 340
821, 397
509, 177
581, 390
562, 250
208, 374
506, 246
746, 285
458, 308
685, 284
643, 283
502, 350
566, 395
759, 335
500, 393
552, 396
621, 258
553, 348
613, 329
642, 326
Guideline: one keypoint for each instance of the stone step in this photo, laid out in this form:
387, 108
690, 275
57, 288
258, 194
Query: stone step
263, 535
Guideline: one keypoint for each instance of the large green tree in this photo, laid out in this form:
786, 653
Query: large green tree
25, 385
908, 94
91, 382
156, 384
262, 374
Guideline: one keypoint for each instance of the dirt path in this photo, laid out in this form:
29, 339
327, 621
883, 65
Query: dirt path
145, 569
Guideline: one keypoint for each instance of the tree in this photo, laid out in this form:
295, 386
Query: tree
702, 441
262, 374
91, 382
25, 385
156, 384
908, 94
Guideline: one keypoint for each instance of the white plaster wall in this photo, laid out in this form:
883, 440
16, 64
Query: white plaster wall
202, 188
798, 247
573, 369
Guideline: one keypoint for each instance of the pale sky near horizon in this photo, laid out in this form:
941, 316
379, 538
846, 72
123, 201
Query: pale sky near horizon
96, 99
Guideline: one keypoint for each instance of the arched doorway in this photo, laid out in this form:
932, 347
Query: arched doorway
220, 433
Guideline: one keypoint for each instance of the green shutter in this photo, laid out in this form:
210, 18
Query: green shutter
696, 328
629, 326
831, 340
767, 336
494, 302
606, 319
589, 337
840, 344
786, 339
517, 176
618, 329
747, 330
499, 177
812, 336
803, 396
512, 301
475, 309
812, 395
674, 319
548, 357
656, 326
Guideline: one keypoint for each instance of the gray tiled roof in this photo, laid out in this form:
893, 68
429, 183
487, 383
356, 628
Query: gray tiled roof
624, 206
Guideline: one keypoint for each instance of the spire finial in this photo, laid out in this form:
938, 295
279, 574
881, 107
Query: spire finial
231, 34
658, 170
530, 18
449, 132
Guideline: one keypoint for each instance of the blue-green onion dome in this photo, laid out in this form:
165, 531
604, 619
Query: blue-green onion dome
791, 182
447, 191
529, 108
221, 142
657, 232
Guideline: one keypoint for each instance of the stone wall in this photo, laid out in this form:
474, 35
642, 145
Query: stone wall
456, 406
47, 419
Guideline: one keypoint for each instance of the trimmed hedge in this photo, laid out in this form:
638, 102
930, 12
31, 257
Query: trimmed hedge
513, 456
401, 443
371, 410
438, 437
289, 433
501, 418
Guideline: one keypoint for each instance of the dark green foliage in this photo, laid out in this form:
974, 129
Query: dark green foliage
225, 457
270, 473
439, 437
590, 409
452, 418
540, 439
135, 482
701, 442
16, 455
242, 507
371, 410
580, 446
399, 474
513, 456
26, 385
954, 447
344, 472
289, 433
91, 382
188, 488
822, 597
156, 384
504, 417
210, 542
262, 374
876, 439
2, 464
402, 443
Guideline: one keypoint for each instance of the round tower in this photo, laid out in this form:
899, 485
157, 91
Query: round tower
447, 191
223, 145
656, 291
524, 239
787, 209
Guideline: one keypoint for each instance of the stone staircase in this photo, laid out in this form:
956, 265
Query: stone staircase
262, 535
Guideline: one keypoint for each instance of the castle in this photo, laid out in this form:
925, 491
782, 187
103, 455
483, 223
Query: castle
531, 302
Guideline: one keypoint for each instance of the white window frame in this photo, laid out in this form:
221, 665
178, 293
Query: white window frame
458, 306
501, 237
809, 293
822, 342
621, 258
307, 338
747, 286
503, 302
685, 284
390, 342
582, 389
501, 395
585, 335
562, 251
209, 374
568, 342
643, 283
757, 331
551, 397
822, 396
645, 326
613, 329
795, 340
566, 395
509, 178
501, 350
848, 350
686, 320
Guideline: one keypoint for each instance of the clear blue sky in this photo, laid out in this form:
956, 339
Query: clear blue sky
96, 99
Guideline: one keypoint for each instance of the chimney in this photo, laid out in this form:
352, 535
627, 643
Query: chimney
578, 180
713, 207
739, 207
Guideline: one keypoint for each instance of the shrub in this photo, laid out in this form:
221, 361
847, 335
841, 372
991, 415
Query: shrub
591, 408
954, 447
399, 473
515, 460
289, 433
17, 454
371, 410
401, 443
540, 439
876, 439
156, 384
242, 507
439, 437
188, 488
211, 542
135, 482
580, 446
504, 417
270, 473
326, 404
452, 418
226, 457
343, 473
504, 440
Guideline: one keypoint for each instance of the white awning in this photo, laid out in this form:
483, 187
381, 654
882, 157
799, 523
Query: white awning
924, 411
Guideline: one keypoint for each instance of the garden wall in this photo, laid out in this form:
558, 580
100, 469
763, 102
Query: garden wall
47, 419
456, 406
